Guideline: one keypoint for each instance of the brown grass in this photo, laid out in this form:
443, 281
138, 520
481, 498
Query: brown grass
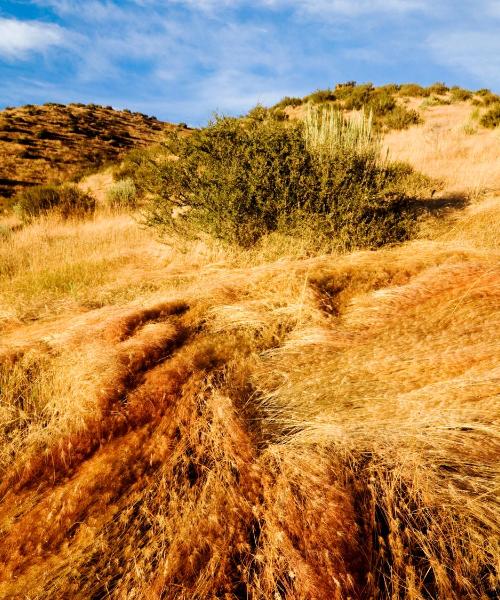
253, 425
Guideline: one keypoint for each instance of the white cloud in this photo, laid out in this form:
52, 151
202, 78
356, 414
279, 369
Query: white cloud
477, 52
19, 38
351, 8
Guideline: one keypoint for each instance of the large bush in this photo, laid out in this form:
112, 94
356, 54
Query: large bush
239, 180
66, 200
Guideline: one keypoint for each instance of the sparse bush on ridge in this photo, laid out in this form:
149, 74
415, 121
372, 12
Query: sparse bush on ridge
289, 101
458, 94
434, 100
491, 118
238, 180
413, 90
321, 96
66, 200
438, 88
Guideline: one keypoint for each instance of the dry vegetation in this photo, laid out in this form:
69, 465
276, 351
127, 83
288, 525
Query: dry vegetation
199, 422
40, 144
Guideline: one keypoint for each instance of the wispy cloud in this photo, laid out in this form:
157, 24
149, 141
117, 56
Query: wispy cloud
185, 58
476, 52
20, 38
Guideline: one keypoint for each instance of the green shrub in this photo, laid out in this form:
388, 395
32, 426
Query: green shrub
355, 97
489, 98
240, 179
459, 94
390, 88
413, 90
66, 200
435, 101
45, 134
321, 96
122, 194
289, 101
401, 118
438, 88
491, 118
5, 232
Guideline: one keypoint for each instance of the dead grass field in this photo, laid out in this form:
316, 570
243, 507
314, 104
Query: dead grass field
197, 423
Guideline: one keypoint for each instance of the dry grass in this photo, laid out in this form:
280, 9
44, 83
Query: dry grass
238, 425
443, 148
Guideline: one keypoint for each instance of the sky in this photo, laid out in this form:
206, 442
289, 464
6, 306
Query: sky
184, 60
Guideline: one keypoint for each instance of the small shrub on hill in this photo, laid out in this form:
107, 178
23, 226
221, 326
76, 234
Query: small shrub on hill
490, 98
401, 118
491, 118
122, 194
66, 200
321, 96
438, 88
240, 179
435, 101
413, 90
288, 101
459, 94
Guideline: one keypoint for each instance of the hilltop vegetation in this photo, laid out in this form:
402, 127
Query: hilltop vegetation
282, 390
55, 142
389, 103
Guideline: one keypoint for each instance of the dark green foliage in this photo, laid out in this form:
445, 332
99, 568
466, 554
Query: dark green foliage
491, 118
401, 118
390, 88
413, 90
459, 94
489, 98
438, 88
28, 154
355, 97
67, 200
288, 101
45, 134
238, 180
320, 96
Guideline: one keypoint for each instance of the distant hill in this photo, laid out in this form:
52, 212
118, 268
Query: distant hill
52, 142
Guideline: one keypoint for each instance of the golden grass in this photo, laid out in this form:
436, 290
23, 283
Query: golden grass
251, 425
443, 148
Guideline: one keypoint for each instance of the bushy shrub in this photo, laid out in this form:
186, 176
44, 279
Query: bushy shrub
459, 94
355, 97
238, 180
491, 118
435, 101
488, 98
321, 96
413, 90
401, 118
122, 194
438, 88
289, 101
66, 200
45, 134
390, 88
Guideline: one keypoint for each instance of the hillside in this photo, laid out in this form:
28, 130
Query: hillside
193, 420
40, 144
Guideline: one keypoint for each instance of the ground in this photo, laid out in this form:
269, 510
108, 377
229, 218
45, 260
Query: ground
203, 423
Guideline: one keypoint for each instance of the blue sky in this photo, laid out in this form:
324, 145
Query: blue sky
183, 60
